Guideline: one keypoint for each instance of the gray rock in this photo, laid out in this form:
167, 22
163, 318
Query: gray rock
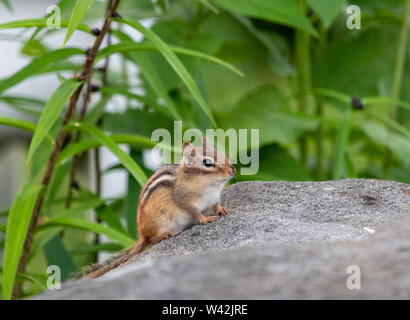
280, 240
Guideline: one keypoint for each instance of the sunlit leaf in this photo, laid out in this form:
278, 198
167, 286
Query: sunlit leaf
80, 10
133, 46
17, 226
89, 226
342, 140
28, 23
51, 112
84, 145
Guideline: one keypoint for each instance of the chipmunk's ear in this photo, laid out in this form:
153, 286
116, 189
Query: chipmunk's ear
188, 151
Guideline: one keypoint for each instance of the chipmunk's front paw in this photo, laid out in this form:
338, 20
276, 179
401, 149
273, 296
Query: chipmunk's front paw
208, 219
221, 211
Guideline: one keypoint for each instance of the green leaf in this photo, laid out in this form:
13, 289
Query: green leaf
83, 207
87, 225
286, 12
149, 72
17, 226
385, 100
133, 46
43, 152
84, 145
39, 280
387, 120
56, 254
22, 124
3, 228
107, 142
124, 92
276, 163
59, 174
380, 135
342, 140
267, 110
28, 23
108, 215
7, 4
34, 48
333, 94
51, 112
176, 65
327, 10
38, 65
80, 10
209, 5
131, 198
30, 106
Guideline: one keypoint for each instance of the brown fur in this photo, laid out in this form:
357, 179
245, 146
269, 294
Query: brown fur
173, 198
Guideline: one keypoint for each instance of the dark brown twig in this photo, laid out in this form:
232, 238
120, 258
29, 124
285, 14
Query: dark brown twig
76, 160
87, 67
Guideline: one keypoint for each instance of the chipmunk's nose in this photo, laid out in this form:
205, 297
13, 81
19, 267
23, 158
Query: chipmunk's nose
232, 170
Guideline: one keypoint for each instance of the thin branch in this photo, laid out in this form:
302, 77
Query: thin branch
76, 160
87, 67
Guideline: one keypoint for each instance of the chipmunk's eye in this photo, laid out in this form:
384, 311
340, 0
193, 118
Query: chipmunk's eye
208, 163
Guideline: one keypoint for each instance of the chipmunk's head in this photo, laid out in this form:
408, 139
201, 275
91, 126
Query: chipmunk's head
211, 165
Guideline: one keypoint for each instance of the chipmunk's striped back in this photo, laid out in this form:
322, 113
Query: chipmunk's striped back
163, 177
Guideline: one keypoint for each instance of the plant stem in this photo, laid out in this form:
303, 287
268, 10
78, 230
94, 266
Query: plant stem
398, 77
302, 46
76, 160
319, 109
86, 73
97, 150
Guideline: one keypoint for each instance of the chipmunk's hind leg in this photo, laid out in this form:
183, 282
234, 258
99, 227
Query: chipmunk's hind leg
165, 235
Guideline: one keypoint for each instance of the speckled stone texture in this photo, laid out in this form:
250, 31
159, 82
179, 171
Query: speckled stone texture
280, 240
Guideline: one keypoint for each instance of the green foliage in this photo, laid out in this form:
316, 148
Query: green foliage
327, 10
321, 96
37, 66
17, 226
87, 225
80, 10
51, 112
287, 13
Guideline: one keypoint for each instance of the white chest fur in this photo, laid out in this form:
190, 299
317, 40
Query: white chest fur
209, 198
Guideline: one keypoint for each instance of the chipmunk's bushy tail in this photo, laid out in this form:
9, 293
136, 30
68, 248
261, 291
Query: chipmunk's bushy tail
98, 270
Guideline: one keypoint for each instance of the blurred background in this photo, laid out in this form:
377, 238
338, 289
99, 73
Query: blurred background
329, 102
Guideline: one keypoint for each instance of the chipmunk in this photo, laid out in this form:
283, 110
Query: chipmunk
175, 196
